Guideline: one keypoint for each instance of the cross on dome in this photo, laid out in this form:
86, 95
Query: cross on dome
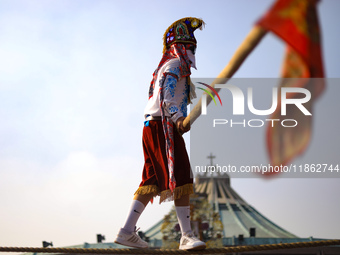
211, 157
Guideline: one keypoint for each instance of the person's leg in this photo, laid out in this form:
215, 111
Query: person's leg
188, 240
183, 213
143, 198
127, 235
138, 205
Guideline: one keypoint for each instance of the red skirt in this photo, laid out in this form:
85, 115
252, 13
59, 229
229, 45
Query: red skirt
155, 177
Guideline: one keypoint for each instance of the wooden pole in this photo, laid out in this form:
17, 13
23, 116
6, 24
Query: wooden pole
249, 43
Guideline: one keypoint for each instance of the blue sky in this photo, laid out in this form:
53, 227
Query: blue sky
74, 77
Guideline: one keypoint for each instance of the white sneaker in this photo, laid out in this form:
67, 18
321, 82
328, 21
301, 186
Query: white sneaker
190, 242
130, 239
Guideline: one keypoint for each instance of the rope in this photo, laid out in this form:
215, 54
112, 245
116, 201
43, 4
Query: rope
224, 250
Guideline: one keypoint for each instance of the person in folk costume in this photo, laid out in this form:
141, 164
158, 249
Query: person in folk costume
167, 171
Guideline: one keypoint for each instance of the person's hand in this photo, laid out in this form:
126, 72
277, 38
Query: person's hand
180, 127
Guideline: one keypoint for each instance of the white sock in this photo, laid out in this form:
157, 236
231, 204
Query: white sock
135, 211
183, 216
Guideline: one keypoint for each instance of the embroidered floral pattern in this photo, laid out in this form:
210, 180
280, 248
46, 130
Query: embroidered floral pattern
183, 106
173, 109
175, 71
184, 103
170, 85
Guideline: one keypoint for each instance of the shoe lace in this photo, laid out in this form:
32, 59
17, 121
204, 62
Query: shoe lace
191, 235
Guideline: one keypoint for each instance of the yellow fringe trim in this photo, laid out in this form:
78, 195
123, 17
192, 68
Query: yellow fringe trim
167, 195
148, 189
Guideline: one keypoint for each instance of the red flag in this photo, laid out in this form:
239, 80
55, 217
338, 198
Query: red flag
296, 23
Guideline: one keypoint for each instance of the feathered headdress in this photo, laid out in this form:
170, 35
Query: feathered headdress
182, 31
